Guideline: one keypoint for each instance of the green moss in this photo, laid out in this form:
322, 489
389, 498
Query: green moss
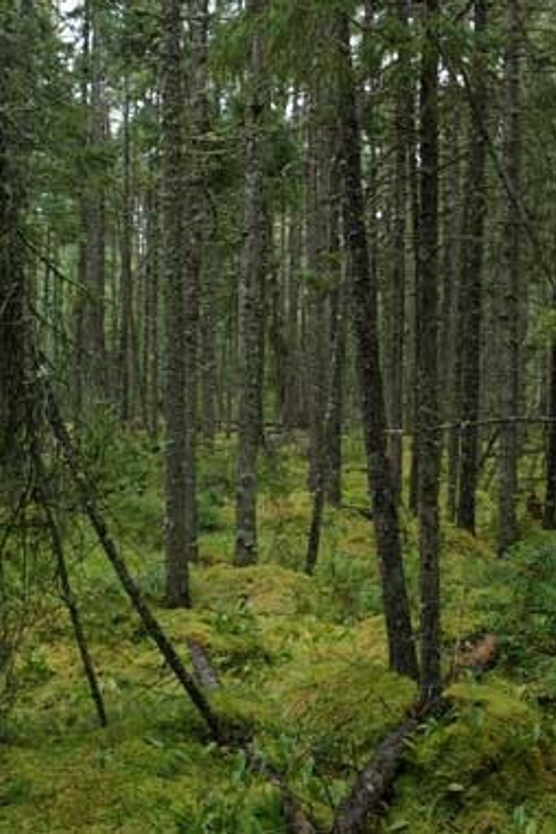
472, 769
302, 661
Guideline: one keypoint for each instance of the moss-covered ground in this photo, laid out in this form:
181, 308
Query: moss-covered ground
302, 660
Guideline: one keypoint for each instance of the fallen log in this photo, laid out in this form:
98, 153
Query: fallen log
367, 798
204, 671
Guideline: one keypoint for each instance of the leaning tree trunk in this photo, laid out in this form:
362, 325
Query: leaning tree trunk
364, 311
427, 390
509, 317
475, 211
177, 573
250, 300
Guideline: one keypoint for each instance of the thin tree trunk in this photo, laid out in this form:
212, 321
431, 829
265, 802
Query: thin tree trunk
153, 264
126, 272
250, 312
450, 346
152, 626
322, 467
398, 277
510, 280
472, 287
95, 247
70, 601
334, 422
315, 245
13, 282
177, 541
415, 201
549, 517
208, 337
428, 411
293, 407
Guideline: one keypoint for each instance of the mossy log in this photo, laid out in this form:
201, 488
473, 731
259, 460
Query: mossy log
369, 795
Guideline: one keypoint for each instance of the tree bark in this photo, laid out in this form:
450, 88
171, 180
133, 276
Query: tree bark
450, 344
93, 315
13, 282
549, 517
415, 202
509, 318
316, 247
152, 282
250, 299
475, 213
177, 535
398, 271
428, 411
126, 271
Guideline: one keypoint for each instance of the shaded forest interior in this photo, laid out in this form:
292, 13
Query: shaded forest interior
277, 416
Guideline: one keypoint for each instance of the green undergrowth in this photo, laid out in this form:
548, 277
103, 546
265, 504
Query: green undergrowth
301, 661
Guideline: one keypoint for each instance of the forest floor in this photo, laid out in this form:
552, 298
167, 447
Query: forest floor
302, 659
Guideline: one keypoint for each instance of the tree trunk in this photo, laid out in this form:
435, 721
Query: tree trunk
250, 299
177, 571
151, 329
335, 418
364, 311
396, 305
126, 271
94, 343
428, 411
13, 284
475, 212
316, 246
415, 201
549, 518
450, 345
322, 471
510, 289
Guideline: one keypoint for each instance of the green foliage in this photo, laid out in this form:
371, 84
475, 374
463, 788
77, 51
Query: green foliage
246, 806
523, 608
349, 583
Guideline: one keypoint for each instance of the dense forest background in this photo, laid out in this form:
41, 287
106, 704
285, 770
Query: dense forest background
277, 416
